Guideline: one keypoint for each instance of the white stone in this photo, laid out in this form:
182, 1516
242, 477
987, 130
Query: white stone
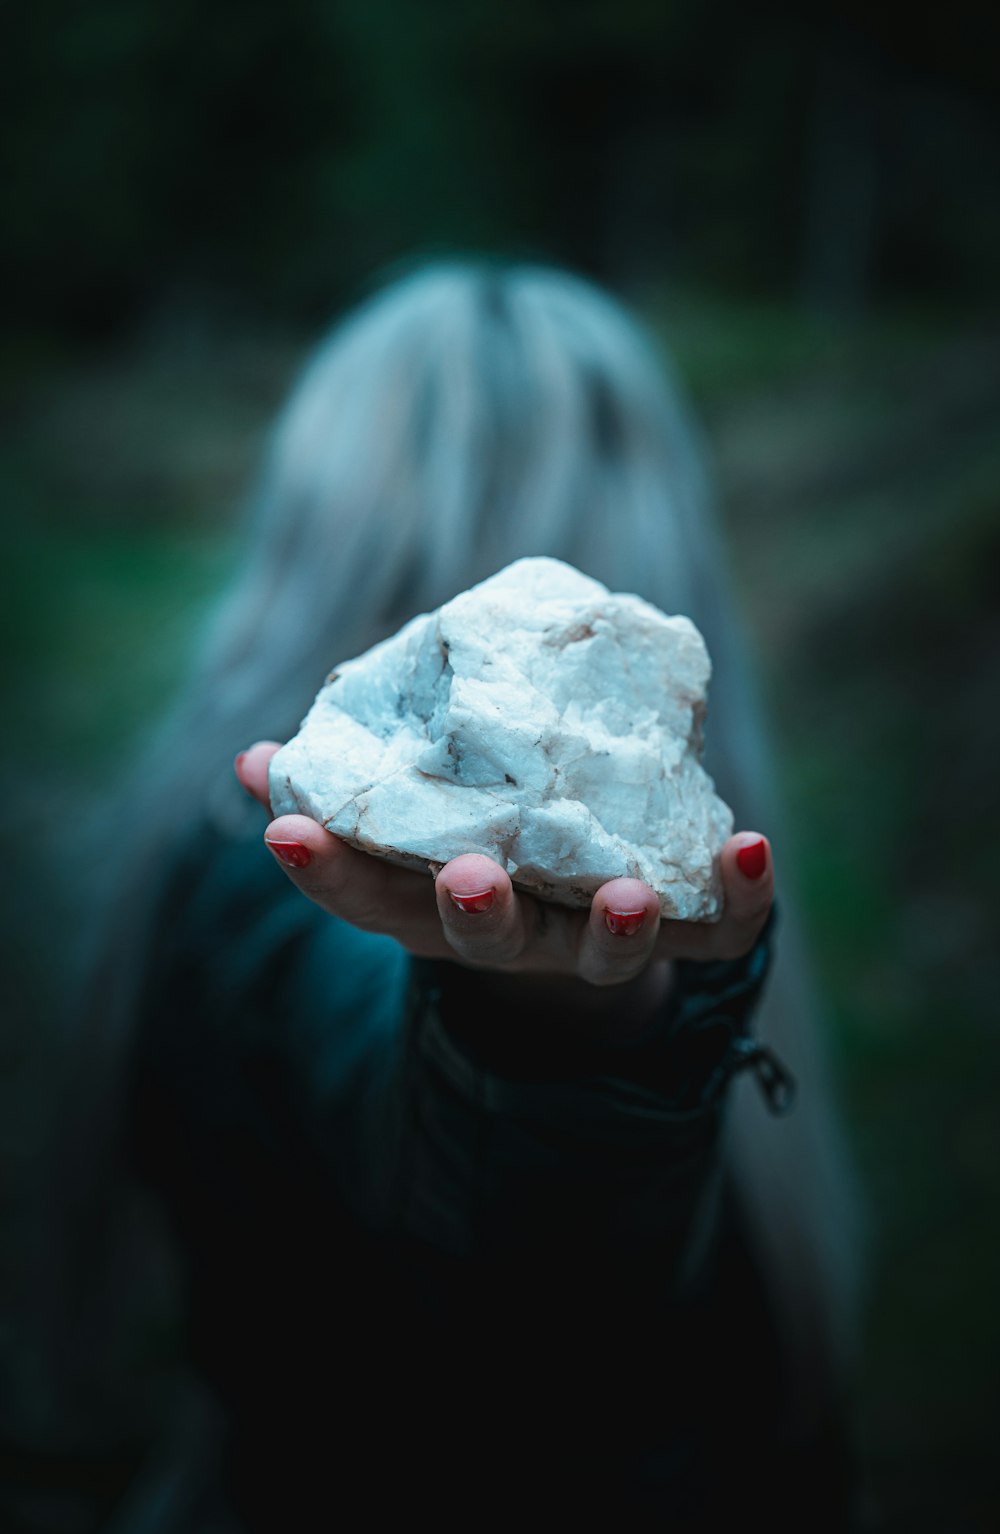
536, 718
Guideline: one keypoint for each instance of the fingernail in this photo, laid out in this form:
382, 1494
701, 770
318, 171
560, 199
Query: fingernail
292, 853
624, 923
239, 759
752, 859
478, 900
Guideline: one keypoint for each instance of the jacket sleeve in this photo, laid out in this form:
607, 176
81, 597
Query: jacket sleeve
551, 1145
283, 1048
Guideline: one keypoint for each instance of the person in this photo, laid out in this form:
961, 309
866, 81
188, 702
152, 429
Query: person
474, 1203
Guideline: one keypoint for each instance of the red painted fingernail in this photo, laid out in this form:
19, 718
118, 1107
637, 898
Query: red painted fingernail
752, 859
478, 900
292, 853
624, 923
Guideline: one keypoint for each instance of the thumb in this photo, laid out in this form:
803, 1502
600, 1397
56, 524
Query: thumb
251, 767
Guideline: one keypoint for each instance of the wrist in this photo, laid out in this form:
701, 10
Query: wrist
545, 1027
681, 1029
605, 1014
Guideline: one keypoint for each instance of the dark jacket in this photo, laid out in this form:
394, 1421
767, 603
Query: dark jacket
432, 1255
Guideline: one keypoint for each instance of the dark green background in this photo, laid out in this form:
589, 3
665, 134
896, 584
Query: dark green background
808, 215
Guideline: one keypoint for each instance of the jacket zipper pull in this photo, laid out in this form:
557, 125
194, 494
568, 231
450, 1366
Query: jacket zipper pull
776, 1082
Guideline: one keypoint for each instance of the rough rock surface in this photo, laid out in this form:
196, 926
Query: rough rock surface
537, 718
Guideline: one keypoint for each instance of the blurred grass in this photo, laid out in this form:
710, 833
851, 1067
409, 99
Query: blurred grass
859, 471
107, 618
121, 477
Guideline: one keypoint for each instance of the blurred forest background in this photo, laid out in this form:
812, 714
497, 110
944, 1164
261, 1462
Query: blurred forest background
808, 213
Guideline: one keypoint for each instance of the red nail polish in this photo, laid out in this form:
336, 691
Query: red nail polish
478, 900
624, 923
292, 853
752, 859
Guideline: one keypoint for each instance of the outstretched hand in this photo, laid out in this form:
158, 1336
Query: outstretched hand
472, 915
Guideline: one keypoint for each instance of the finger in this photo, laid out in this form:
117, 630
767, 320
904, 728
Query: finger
482, 918
747, 870
366, 891
746, 867
618, 939
251, 768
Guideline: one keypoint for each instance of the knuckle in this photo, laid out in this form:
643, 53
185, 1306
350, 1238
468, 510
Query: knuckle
738, 942
602, 968
490, 948
613, 975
